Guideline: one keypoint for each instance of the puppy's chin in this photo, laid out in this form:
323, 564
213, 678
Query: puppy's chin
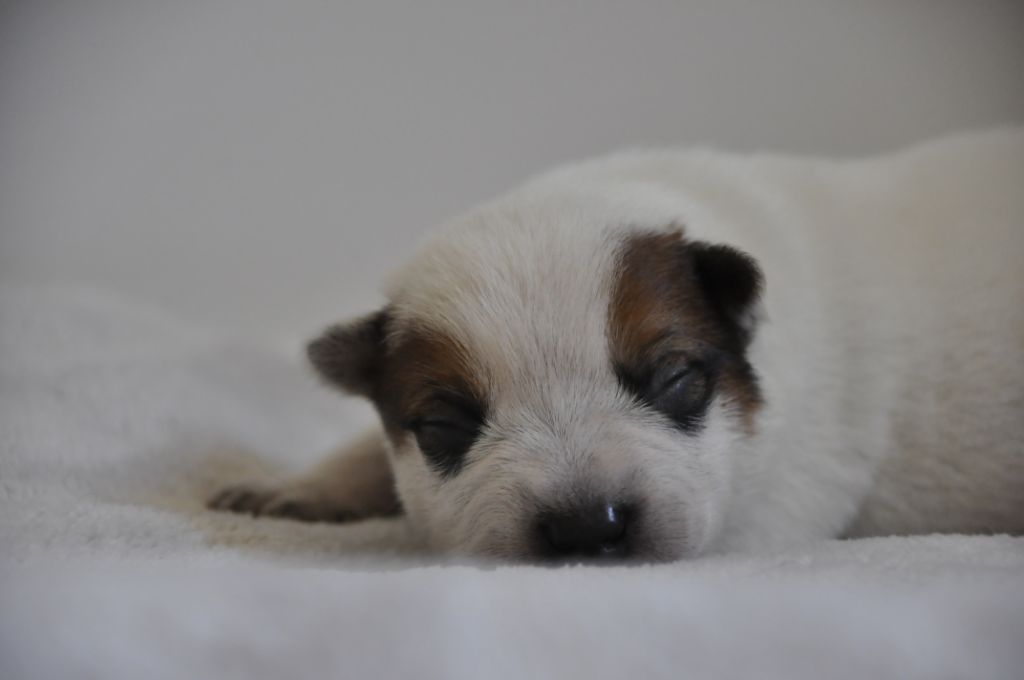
525, 552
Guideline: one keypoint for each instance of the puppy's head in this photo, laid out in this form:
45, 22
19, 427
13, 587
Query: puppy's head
560, 393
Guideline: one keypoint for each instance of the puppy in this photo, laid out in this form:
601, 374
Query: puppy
664, 354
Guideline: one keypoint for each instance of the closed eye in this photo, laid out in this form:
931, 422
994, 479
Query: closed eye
427, 423
684, 396
445, 437
677, 388
673, 381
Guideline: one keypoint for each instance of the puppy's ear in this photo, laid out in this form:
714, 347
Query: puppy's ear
350, 355
732, 283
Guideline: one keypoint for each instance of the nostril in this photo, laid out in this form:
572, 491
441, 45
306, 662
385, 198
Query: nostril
596, 530
556, 535
615, 520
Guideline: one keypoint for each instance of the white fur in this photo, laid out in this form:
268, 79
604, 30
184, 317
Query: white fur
890, 353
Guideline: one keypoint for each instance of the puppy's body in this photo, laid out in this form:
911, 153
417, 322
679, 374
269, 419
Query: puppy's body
876, 387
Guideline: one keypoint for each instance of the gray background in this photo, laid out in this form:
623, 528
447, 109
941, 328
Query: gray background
256, 165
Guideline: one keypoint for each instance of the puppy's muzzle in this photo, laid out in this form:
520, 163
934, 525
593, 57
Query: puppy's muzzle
595, 531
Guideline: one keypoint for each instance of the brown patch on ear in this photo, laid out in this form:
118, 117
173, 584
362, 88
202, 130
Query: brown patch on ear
690, 299
350, 355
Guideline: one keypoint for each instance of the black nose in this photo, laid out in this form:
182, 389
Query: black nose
594, 531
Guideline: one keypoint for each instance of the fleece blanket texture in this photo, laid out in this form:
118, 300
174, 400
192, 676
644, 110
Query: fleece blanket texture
116, 423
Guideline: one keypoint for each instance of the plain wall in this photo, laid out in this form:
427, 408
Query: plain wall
256, 165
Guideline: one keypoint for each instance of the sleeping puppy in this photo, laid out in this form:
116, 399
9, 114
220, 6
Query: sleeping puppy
659, 355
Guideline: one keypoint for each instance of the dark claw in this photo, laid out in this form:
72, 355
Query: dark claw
264, 503
239, 499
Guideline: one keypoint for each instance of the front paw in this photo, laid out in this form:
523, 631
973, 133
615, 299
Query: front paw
290, 503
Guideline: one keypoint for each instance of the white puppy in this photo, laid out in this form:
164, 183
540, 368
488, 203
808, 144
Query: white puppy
661, 354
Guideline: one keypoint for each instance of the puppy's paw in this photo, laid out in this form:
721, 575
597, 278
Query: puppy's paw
298, 503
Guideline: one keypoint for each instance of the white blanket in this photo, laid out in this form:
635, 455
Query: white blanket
116, 423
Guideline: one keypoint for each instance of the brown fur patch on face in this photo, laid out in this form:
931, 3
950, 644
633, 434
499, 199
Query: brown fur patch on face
412, 374
422, 370
661, 307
